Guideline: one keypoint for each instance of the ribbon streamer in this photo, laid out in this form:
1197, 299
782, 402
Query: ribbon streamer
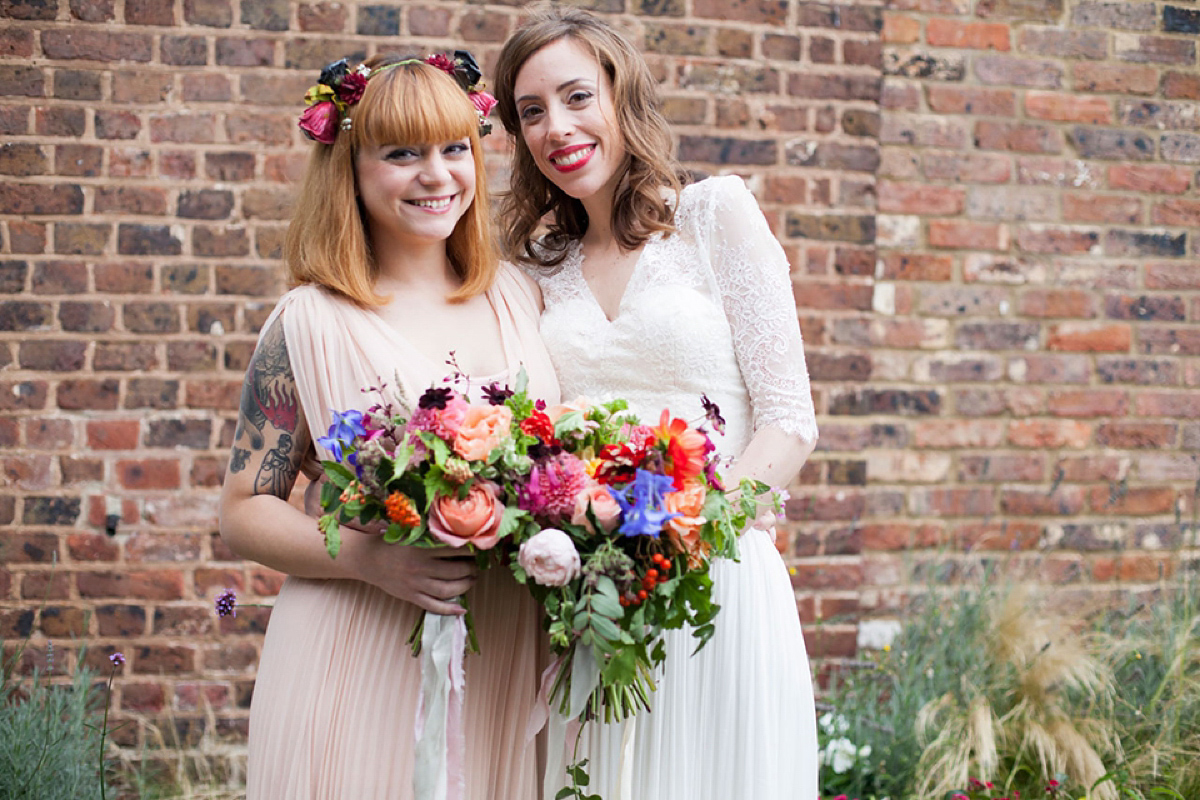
438, 730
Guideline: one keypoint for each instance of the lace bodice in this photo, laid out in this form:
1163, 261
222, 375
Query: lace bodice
707, 311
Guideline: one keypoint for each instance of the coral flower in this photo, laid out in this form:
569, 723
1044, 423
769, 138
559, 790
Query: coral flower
686, 448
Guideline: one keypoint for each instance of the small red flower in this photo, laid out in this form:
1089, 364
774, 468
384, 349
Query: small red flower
351, 89
442, 62
539, 426
320, 122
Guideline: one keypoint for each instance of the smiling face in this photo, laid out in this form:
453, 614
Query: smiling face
415, 194
564, 102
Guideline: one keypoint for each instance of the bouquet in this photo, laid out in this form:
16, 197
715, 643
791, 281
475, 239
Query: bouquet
625, 521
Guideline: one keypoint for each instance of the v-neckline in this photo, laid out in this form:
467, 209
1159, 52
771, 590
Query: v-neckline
629, 282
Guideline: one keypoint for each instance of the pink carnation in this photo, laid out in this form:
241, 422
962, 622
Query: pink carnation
553, 486
320, 122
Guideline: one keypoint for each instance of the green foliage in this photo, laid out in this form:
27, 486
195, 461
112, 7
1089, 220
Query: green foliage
49, 736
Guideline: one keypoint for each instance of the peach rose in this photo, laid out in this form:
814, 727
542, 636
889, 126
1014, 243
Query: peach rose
482, 430
476, 518
684, 531
604, 507
578, 404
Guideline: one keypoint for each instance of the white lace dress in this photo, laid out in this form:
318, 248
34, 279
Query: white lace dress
707, 311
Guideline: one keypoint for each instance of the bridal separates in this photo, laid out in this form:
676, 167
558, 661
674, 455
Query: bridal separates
708, 311
337, 689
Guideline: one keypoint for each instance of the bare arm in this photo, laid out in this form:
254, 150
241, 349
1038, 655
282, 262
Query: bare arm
258, 523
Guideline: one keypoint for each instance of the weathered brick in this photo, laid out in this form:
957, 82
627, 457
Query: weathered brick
1178, 212
1136, 435
267, 15
1057, 303
77, 84
151, 317
157, 393
209, 13
149, 12
1182, 147
1157, 178
913, 63
93, 395
920, 198
1060, 43
997, 335
942, 32
1089, 337
41, 199
762, 12
1112, 144
67, 44
324, 17
60, 121
378, 20
1016, 71
1181, 85
81, 238
28, 9
146, 584
122, 357
1066, 107
1082, 207
1144, 243
989, 202
22, 159
124, 199
145, 240
184, 51
831, 227
1154, 49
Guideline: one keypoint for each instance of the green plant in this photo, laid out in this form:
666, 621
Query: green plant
48, 736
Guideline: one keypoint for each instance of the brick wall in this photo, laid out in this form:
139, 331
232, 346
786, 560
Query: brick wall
1004, 345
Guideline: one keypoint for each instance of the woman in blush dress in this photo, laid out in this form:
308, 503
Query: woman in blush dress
395, 270
660, 294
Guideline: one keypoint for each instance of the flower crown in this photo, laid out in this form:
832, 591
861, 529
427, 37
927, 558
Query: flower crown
339, 88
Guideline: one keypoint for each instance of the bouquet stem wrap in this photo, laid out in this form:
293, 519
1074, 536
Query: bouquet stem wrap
439, 755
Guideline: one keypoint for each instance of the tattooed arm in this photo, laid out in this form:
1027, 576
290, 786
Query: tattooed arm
258, 523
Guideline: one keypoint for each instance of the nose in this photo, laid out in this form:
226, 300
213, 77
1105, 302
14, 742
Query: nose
434, 171
559, 123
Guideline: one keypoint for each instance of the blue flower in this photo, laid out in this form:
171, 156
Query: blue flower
341, 434
642, 504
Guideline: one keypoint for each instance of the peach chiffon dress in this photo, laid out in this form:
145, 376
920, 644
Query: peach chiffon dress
337, 688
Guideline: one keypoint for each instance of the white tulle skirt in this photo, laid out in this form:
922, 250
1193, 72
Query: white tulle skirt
735, 721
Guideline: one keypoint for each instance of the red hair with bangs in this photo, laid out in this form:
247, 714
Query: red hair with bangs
327, 241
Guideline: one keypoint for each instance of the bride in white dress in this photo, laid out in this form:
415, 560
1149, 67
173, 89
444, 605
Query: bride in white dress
661, 296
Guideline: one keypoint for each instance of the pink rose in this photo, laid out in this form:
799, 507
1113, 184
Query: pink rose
475, 519
604, 508
580, 404
483, 429
550, 558
320, 122
484, 102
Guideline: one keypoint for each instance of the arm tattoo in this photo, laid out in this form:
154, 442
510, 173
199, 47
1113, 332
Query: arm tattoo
269, 397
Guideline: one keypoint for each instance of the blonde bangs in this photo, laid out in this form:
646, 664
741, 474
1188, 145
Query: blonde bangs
427, 107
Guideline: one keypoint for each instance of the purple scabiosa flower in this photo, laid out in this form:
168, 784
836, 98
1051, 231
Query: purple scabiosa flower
642, 504
226, 603
497, 394
117, 659
713, 414
346, 426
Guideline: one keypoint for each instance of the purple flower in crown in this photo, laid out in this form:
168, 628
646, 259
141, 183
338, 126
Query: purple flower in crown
226, 603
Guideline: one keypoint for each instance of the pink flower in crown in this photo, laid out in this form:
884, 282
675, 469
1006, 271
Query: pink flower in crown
442, 62
484, 102
320, 122
351, 88
553, 485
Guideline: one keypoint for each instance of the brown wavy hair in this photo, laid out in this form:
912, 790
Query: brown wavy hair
328, 242
639, 207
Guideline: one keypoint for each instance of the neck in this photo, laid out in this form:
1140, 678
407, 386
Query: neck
416, 268
599, 208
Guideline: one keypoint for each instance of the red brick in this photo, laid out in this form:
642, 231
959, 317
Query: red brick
1087, 469
1018, 137
1131, 501
1080, 404
1046, 239
1157, 178
967, 235
1137, 435
911, 198
1086, 207
1114, 79
900, 29
942, 32
916, 267
143, 698
951, 433
967, 167
1170, 275
1132, 567
1066, 107
1057, 303
1063, 501
971, 100
953, 502
1180, 212
113, 434
158, 584
1168, 404
1181, 85
1089, 337
1049, 433
148, 473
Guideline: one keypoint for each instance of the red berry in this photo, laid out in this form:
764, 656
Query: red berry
642, 595
651, 573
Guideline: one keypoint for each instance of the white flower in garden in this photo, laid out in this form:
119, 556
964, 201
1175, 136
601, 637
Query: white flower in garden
831, 724
839, 754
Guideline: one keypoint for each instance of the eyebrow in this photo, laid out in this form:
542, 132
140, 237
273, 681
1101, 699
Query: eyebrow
558, 88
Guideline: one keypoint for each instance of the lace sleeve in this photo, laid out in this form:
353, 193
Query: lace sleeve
754, 279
